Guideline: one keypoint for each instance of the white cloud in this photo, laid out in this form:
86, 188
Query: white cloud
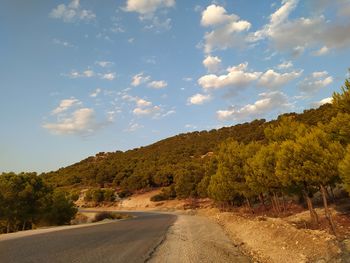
199, 99
133, 127
143, 103
187, 79
158, 84
108, 76
157, 24
168, 113
322, 51
267, 103
215, 15
84, 74
276, 19
285, 65
212, 63
228, 29
315, 82
139, 79
237, 76
321, 102
273, 80
147, 7
72, 13
62, 43
104, 64
81, 121
65, 105
139, 111
95, 93
301, 33
88, 73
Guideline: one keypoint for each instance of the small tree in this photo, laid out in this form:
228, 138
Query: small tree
344, 169
261, 174
310, 162
342, 100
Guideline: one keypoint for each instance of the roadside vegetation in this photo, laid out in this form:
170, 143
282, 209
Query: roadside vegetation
109, 215
27, 202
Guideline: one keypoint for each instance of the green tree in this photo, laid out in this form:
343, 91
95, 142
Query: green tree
342, 100
344, 169
310, 162
261, 174
338, 128
229, 182
285, 128
60, 209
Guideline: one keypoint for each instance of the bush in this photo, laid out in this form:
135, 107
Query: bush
109, 215
99, 195
108, 195
167, 193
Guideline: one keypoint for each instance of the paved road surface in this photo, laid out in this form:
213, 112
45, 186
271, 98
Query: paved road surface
131, 240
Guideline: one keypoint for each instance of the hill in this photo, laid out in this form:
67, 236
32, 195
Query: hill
180, 161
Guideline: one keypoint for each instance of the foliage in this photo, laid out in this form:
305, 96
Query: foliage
341, 101
344, 169
98, 195
167, 193
26, 200
109, 215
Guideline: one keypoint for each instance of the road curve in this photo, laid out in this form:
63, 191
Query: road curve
131, 240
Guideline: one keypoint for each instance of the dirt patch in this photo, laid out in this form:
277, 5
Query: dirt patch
197, 239
275, 240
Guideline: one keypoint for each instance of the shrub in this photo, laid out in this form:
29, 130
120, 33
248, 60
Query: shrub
109, 215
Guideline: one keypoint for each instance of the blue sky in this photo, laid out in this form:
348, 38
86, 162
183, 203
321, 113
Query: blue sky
80, 77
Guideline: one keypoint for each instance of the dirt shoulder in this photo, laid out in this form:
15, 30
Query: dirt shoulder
275, 240
197, 239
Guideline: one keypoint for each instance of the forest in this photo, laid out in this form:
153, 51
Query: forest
296, 154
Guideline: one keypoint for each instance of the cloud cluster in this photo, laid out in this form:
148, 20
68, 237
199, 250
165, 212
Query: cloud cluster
296, 35
267, 103
89, 73
199, 99
315, 82
274, 80
72, 13
237, 76
141, 78
212, 63
240, 76
147, 10
315, 32
72, 118
227, 30
147, 7
65, 105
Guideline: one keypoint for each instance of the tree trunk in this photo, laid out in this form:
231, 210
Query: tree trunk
273, 204
332, 194
284, 203
278, 207
249, 205
8, 227
313, 214
262, 200
24, 225
326, 210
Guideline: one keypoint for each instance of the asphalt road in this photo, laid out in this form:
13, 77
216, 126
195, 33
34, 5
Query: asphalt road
131, 240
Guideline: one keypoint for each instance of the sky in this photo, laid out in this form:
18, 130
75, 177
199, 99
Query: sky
89, 76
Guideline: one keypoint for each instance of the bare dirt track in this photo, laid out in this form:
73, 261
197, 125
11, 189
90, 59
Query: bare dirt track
197, 239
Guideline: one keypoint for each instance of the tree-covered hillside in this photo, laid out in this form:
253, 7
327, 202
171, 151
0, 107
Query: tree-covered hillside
181, 160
